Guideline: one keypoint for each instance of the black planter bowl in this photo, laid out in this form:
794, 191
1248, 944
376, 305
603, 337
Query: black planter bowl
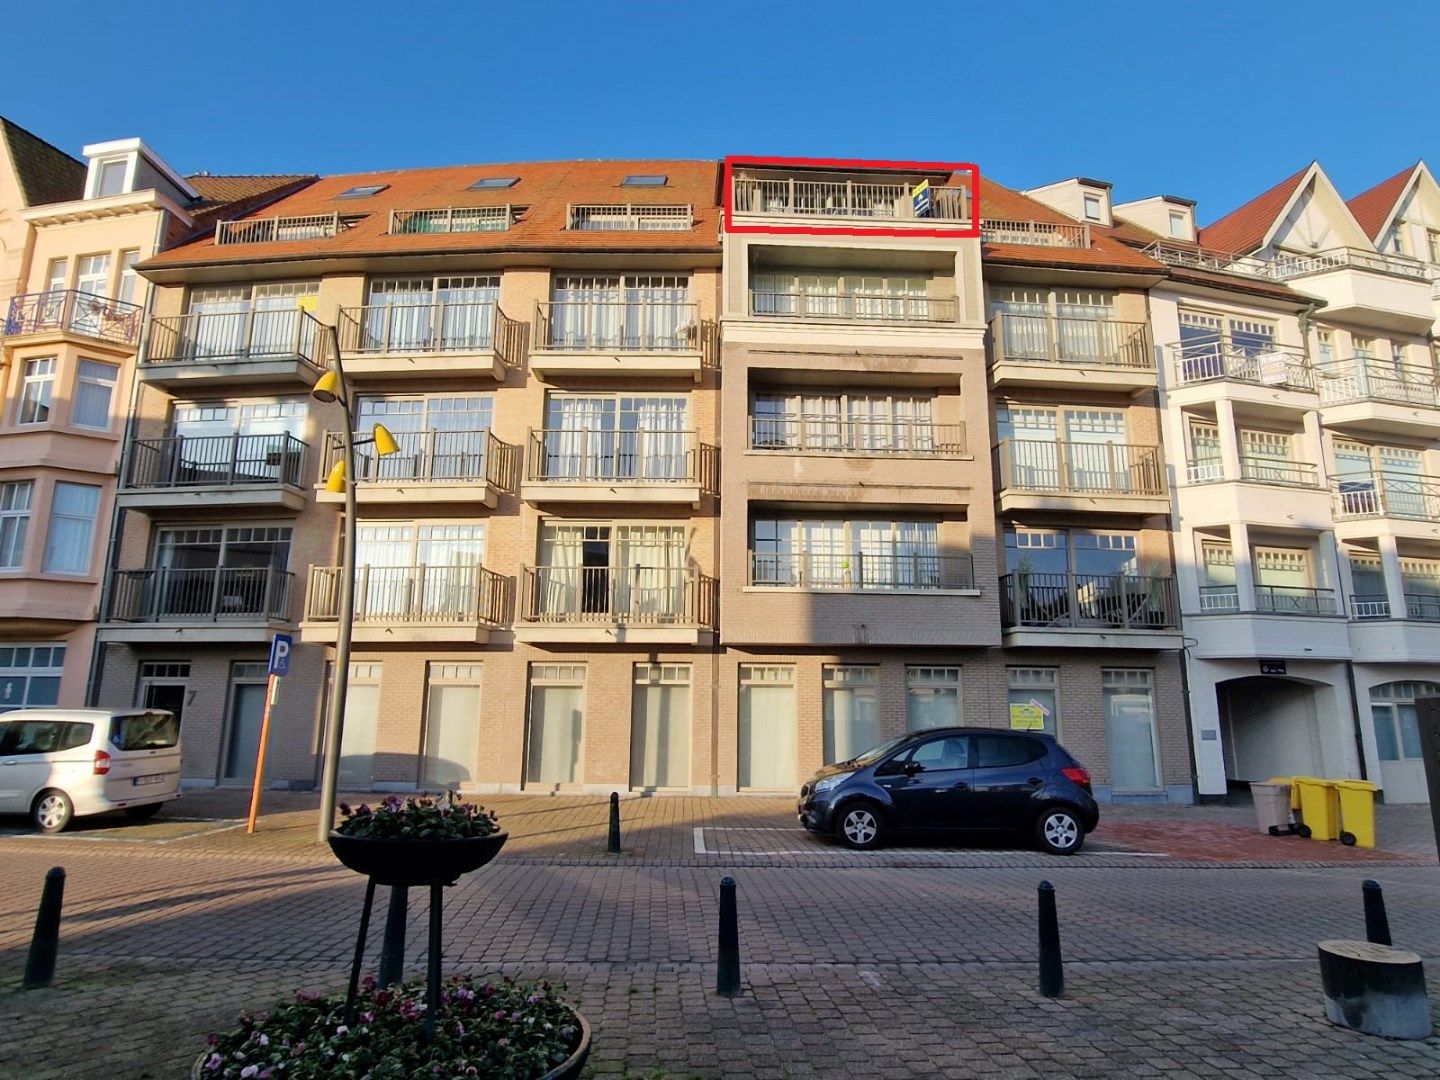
416, 862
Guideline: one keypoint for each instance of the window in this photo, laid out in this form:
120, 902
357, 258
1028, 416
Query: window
441, 437
932, 698
430, 314
451, 742
362, 721
616, 437
1006, 751
1206, 463
937, 755
1178, 224
1325, 347
767, 727
30, 675
58, 276
1395, 242
1130, 726
1364, 347
1217, 585
235, 320
92, 275
1094, 208
1072, 325
128, 278
835, 554
1397, 726
145, 731
622, 311
557, 724
362, 191
491, 182
851, 705
22, 738
37, 389
112, 178
845, 295
94, 388
823, 421
15, 499
71, 533
1033, 696
644, 180
660, 726
392, 583
1432, 244
611, 573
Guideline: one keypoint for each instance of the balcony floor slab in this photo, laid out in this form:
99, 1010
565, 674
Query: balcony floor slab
366, 367
213, 497
1091, 637
582, 634
208, 633
400, 633
1071, 375
548, 364
185, 375
415, 491
553, 491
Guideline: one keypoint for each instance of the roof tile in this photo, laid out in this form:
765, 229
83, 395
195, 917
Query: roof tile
46, 173
1243, 229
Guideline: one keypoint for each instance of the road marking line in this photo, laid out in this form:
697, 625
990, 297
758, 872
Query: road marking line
700, 843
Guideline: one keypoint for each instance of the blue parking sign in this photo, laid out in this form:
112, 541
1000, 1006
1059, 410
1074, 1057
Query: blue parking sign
280, 654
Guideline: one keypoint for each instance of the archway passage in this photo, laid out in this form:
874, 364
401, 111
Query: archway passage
1270, 727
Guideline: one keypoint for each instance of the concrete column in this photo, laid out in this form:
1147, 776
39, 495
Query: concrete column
1205, 725
1394, 582
1329, 559
1244, 565
1229, 441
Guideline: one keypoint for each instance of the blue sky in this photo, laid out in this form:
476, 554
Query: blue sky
1214, 100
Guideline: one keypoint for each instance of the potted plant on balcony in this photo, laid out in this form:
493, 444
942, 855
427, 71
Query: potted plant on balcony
416, 840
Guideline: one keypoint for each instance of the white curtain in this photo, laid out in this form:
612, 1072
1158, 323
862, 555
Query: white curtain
581, 440
71, 534
851, 722
357, 741
558, 577
656, 428
767, 737
452, 735
556, 719
587, 313
650, 572
660, 737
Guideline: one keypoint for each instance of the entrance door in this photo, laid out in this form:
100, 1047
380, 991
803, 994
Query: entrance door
660, 726
247, 709
767, 728
1130, 727
556, 727
1397, 739
452, 735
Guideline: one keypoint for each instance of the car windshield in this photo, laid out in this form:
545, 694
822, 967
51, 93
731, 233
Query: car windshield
875, 753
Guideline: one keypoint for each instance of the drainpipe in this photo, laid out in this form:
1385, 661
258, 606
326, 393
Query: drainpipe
1355, 712
1305, 317
1190, 718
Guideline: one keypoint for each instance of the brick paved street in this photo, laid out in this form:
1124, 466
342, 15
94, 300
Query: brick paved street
912, 962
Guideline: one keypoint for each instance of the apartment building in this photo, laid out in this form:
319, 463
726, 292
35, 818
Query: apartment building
536, 562
1299, 381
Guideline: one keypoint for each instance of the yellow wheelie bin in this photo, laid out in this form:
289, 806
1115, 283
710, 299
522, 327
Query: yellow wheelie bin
1357, 812
1319, 808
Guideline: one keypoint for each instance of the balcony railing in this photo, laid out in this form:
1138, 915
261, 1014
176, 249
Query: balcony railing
853, 307
1219, 598
629, 217
231, 336
216, 461
787, 196
1080, 468
1206, 471
1271, 599
1285, 473
604, 326
614, 457
1206, 361
863, 571
799, 434
75, 312
441, 327
1364, 379
434, 457
1394, 495
410, 595
1110, 601
1045, 339
618, 596
451, 219
1421, 607
1196, 258
1288, 265
206, 594
1035, 233
275, 229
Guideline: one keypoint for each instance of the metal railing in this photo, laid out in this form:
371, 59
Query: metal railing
216, 461
799, 434
1295, 600
845, 198
1286, 265
864, 571
1197, 258
656, 456
853, 307
226, 337
1205, 361
618, 595
1208, 471
1050, 339
1035, 233
1383, 494
1366, 379
1112, 601
1080, 468
1420, 607
430, 456
1286, 473
451, 219
605, 325
1219, 598
206, 594
629, 217
410, 595
276, 229
75, 312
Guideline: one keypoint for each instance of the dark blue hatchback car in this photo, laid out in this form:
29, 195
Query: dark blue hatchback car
955, 779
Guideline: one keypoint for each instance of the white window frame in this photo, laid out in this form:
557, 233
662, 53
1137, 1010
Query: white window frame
11, 671
85, 522
37, 390
17, 500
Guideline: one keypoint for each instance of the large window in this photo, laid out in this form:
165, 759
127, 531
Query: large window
660, 707
441, 436
622, 311
92, 275
835, 421
255, 320
1033, 696
825, 553
852, 710
94, 390
1397, 727
610, 572
30, 675
1073, 325
842, 294
452, 726
219, 571
616, 437
767, 727
15, 499
71, 532
389, 578
37, 390
557, 724
933, 698
1130, 723
429, 313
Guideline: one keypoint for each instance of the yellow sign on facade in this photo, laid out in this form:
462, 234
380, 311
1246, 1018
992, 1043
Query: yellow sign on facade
307, 303
1027, 716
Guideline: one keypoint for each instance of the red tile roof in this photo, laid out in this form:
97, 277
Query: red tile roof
1372, 208
1243, 229
234, 196
1105, 251
544, 188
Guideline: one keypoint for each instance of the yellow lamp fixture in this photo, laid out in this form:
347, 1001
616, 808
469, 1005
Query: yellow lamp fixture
335, 482
327, 387
385, 443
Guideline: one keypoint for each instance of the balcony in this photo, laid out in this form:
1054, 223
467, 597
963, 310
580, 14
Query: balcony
1211, 497
1412, 637
272, 230
798, 434
862, 199
590, 338
1118, 610
451, 219
215, 350
853, 307
1271, 600
861, 572
69, 311
1387, 291
215, 471
1070, 476
1382, 503
412, 341
1208, 259
670, 467
614, 605
429, 467
629, 217
1278, 375
226, 604
1422, 607
1046, 350
1370, 395
409, 604
1035, 233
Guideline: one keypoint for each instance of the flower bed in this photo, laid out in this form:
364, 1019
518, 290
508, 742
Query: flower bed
501, 1029
417, 818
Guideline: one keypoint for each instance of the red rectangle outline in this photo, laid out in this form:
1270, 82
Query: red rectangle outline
728, 195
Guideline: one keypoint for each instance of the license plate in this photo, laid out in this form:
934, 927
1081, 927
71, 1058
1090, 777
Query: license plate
141, 781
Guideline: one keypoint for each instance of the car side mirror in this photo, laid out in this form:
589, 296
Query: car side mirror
913, 767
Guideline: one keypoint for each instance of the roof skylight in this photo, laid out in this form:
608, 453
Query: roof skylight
486, 182
362, 191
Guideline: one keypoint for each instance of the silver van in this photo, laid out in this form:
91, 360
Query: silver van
59, 764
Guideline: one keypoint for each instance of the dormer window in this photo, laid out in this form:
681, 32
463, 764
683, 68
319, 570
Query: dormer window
362, 191
112, 176
1396, 240
1094, 208
1178, 225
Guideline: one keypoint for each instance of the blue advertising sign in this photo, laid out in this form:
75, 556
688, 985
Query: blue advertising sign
280, 654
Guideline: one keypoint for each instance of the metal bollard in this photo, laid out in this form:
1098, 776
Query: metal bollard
727, 970
1377, 923
392, 946
613, 844
1052, 967
45, 943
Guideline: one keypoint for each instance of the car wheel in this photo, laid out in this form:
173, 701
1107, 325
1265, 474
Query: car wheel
52, 811
1059, 831
859, 826
143, 813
